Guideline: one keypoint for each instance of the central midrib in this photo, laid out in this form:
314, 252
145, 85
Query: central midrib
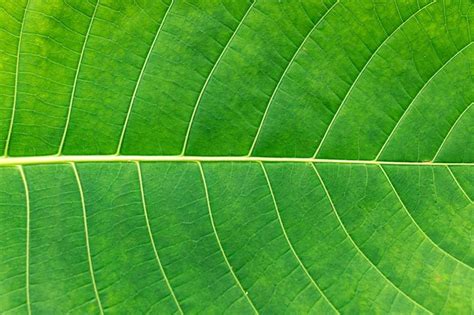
5, 161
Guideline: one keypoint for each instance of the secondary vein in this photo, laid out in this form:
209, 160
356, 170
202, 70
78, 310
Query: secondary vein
76, 77
313, 281
416, 224
86, 232
214, 229
359, 250
140, 77
27, 262
349, 92
211, 73
15, 94
277, 87
150, 234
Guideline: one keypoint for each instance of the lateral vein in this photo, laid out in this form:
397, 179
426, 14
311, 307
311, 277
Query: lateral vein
211, 73
458, 184
277, 87
27, 262
140, 77
150, 234
15, 94
359, 250
86, 233
416, 224
450, 131
349, 92
410, 106
312, 280
76, 78
214, 229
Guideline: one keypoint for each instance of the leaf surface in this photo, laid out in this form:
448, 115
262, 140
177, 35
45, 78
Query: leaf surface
234, 156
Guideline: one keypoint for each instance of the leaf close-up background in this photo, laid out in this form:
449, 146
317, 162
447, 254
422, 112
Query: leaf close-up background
223, 156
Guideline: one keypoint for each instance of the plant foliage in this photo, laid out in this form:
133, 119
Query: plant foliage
270, 157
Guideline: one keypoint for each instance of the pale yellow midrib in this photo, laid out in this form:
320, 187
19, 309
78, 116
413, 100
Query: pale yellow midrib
8, 161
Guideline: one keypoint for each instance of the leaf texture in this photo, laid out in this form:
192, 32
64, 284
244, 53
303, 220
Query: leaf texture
236, 157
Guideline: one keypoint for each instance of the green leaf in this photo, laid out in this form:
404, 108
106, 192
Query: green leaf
232, 156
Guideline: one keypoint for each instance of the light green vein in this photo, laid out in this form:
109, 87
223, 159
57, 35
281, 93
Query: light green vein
214, 229
140, 77
293, 58
214, 67
53, 159
410, 106
336, 115
15, 93
359, 250
290, 245
27, 250
150, 234
458, 184
450, 131
416, 224
76, 78
86, 234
